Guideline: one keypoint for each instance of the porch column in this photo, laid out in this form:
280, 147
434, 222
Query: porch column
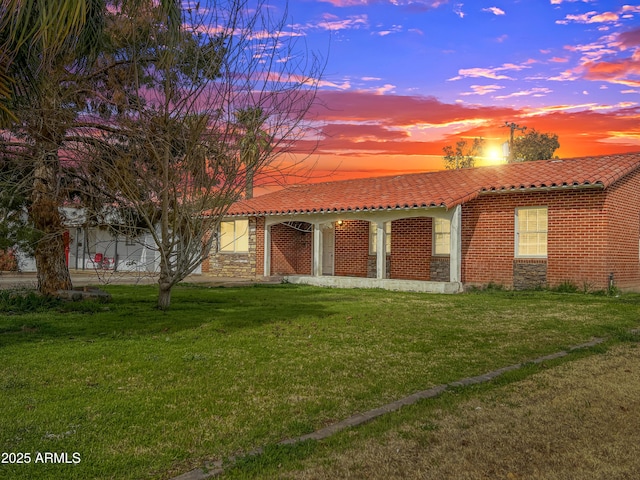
381, 250
317, 250
455, 258
267, 250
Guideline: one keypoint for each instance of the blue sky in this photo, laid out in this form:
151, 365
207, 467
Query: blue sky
404, 78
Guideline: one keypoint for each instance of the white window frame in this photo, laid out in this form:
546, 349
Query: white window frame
539, 231
373, 238
442, 235
240, 241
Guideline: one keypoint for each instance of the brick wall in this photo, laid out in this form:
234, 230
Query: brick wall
411, 248
576, 241
623, 232
291, 251
352, 248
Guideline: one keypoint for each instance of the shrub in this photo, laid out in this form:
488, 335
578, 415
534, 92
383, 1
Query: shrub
20, 301
565, 287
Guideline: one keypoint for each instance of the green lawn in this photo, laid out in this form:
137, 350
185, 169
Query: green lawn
138, 393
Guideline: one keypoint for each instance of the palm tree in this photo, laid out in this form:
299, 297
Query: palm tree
51, 27
254, 142
44, 43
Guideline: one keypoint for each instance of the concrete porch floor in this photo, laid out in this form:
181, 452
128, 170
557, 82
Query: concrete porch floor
386, 283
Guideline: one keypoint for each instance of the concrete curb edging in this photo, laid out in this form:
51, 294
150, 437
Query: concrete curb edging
213, 469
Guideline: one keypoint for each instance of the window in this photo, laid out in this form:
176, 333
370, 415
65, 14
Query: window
234, 236
441, 236
373, 242
531, 232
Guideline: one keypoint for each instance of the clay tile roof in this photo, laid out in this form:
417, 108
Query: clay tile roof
446, 188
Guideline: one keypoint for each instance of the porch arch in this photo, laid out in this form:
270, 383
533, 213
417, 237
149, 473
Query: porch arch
379, 218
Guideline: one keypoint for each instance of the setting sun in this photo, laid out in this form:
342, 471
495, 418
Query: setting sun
493, 156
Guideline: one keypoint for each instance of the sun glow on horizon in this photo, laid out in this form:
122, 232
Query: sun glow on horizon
493, 156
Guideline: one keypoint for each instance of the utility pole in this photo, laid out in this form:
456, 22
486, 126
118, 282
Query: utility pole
513, 126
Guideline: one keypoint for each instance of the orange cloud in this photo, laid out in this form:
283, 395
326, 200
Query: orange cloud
388, 134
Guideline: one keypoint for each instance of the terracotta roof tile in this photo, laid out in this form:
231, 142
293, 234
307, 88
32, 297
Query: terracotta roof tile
446, 188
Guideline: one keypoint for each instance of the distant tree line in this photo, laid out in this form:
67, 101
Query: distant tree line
530, 146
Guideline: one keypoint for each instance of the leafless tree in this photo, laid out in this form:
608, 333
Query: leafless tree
172, 140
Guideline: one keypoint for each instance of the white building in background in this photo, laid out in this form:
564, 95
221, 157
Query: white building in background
91, 248
100, 248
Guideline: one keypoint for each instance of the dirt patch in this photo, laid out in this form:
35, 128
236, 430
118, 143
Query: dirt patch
578, 420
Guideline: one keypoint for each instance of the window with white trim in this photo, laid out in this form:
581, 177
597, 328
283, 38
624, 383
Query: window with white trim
234, 236
441, 236
373, 235
531, 231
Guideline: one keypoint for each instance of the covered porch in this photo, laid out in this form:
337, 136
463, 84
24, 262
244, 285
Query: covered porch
416, 249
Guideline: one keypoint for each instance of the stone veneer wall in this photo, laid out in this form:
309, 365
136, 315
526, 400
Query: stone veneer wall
439, 269
529, 273
234, 265
372, 266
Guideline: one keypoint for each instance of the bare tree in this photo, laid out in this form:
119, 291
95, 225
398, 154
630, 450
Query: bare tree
201, 112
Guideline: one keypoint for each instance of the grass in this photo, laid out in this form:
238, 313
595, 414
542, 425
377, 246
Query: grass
573, 421
140, 393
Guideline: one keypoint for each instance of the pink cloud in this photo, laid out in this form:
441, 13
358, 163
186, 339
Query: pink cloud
396, 110
494, 10
590, 17
409, 3
482, 89
624, 71
334, 23
630, 39
492, 73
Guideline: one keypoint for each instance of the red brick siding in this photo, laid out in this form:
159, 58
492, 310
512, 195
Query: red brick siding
291, 251
591, 234
351, 248
576, 239
623, 232
411, 248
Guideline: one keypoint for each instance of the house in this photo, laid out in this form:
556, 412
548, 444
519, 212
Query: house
519, 225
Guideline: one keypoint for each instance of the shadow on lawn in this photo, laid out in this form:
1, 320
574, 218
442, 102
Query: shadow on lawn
132, 313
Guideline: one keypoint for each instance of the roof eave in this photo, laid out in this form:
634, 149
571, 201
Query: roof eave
545, 188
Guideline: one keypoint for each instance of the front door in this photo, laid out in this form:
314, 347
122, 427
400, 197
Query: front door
328, 249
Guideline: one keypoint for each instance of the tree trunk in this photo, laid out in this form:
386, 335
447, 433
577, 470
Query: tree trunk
249, 186
53, 273
164, 290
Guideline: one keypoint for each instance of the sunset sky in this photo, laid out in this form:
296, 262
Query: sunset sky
406, 77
